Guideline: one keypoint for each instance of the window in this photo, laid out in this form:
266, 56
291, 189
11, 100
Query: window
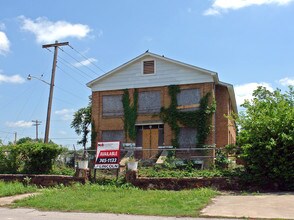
187, 137
112, 105
113, 135
148, 67
149, 102
188, 99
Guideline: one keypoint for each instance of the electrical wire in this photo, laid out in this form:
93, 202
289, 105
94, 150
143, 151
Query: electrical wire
65, 62
70, 75
86, 58
80, 62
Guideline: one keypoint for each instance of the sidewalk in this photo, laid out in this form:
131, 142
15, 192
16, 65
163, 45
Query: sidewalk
10, 199
274, 206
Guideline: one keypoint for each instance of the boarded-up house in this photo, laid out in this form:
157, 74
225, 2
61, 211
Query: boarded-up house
149, 77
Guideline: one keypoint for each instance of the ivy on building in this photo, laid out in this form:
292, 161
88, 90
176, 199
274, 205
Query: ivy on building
199, 119
130, 113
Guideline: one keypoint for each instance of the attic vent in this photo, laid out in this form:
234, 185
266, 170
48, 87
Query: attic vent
148, 67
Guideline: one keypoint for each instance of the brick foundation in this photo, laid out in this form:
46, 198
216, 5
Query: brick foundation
220, 183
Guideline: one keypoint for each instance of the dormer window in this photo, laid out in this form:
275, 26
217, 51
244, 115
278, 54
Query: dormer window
148, 67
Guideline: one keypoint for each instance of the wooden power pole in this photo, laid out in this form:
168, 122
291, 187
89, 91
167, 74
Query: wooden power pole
36, 123
55, 45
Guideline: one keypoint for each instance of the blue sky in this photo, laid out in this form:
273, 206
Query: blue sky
247, 42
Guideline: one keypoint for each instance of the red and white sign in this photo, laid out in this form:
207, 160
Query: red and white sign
107, 155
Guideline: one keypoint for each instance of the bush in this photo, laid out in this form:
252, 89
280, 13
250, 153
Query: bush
267, 138
28, 157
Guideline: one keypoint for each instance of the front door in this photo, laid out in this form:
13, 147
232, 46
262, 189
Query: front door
150, 142
149, 137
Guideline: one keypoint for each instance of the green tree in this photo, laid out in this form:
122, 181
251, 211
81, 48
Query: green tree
24, 140
81, 123
267, 137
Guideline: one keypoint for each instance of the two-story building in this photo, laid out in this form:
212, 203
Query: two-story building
147, 79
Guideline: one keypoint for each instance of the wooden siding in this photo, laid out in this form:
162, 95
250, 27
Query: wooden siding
166, 73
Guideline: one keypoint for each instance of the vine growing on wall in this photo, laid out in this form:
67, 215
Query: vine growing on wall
199, 119
130, 113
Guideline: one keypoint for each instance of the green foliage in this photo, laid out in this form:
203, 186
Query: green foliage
221, 159
24, 140
93, 136
29, 157
14, 188
199, 119
81, 122
128, 200
267, 137
178, 172
62, 170
130, 113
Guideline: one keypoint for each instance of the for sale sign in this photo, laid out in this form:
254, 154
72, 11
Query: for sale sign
107, 155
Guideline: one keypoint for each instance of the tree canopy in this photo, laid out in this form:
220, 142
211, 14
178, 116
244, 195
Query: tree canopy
81, 123
267, 137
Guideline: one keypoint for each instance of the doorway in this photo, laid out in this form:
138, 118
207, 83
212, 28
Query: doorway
149, 137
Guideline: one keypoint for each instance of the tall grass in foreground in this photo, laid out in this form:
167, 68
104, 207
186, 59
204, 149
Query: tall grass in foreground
112, 199
14, 188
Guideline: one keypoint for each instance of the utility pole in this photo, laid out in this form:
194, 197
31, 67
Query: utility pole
15, 137
36, 123
55, 45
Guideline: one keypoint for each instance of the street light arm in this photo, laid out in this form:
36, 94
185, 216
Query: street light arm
30, 77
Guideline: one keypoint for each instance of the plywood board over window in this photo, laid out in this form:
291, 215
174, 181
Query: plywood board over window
149, 102
188, 99
112, 105
187, 138
117, 135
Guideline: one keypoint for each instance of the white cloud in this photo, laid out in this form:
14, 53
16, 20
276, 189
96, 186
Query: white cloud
11, 79
65, 114
219, 6
4, 43
245, 91
2, 26
211, 11
19, 124
47, 31
85, 62
287, 81
62, 132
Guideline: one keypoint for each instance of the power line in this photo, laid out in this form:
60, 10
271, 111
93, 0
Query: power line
72, 66
86, 58
70, 76
80, 62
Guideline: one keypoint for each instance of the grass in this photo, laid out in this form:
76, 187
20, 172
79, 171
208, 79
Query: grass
124, 199
178, 173
14, 188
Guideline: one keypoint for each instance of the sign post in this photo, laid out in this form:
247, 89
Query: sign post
107, 155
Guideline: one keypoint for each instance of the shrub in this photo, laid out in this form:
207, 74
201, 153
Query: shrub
267, 138
29, 157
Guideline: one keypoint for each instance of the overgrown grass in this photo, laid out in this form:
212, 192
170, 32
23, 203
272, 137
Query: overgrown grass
178, 173
123, 199
14, 188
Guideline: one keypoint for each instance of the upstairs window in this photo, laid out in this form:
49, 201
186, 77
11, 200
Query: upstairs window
148, 67
112, 105
149, 102
188, 99
113, 136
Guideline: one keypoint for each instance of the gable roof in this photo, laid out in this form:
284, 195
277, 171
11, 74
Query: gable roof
148, 54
